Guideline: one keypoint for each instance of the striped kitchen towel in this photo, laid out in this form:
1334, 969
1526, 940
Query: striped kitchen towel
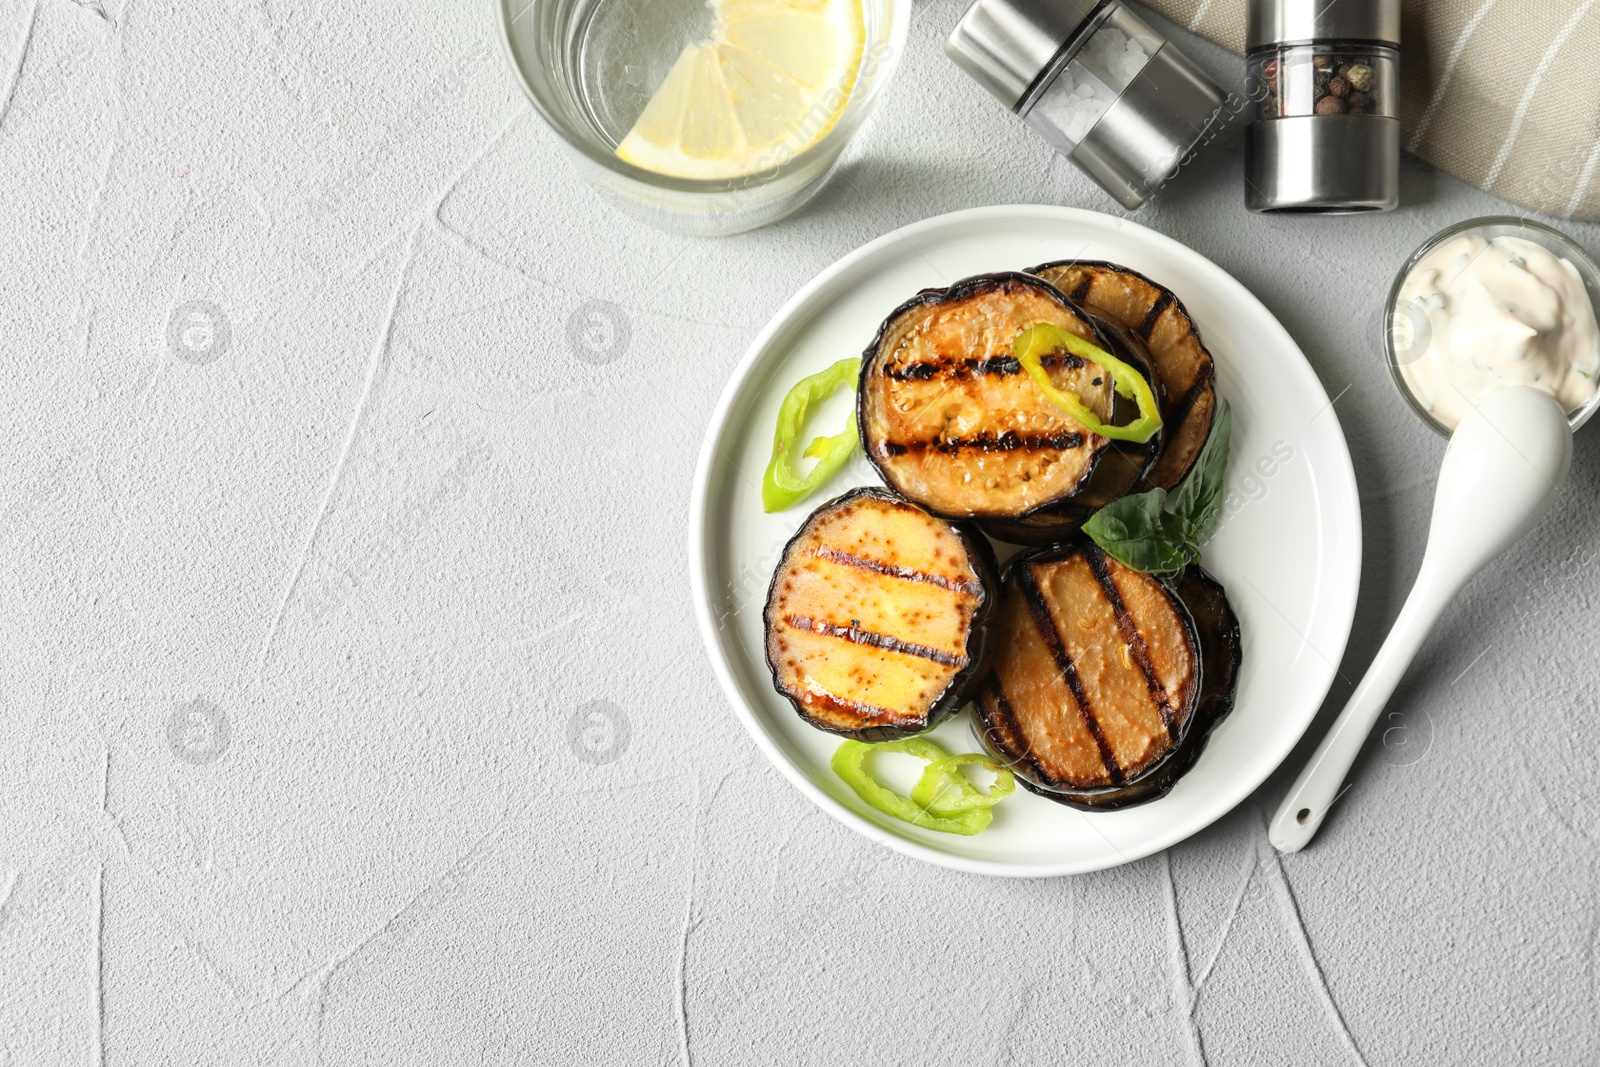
1504, 94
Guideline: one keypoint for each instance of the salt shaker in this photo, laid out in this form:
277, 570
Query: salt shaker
1325, 75
1095, 81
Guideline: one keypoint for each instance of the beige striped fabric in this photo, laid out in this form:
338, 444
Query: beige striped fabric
1504, 94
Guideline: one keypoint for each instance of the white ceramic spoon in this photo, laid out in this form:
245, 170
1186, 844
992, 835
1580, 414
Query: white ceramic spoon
1501, 471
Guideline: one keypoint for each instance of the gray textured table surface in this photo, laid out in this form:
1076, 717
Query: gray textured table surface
302, 642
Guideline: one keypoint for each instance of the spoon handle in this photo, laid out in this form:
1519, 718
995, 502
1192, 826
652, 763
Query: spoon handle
1318, 786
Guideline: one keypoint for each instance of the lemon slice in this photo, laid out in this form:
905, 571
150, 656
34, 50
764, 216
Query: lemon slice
770, 83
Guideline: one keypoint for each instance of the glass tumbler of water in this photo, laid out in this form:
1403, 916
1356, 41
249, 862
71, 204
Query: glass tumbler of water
705, 116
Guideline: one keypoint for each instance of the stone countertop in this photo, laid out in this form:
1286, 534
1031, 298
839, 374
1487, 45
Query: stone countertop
356, 708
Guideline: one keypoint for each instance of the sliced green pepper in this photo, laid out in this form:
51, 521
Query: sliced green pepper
959, 809
1038, 341
783, 487
944, 790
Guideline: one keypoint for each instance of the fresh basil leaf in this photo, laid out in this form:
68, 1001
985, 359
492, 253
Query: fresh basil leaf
1159, 533
1197, 504
1153, 555
1137, 532
1131, 518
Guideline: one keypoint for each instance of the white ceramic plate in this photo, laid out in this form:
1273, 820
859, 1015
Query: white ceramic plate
1288, 549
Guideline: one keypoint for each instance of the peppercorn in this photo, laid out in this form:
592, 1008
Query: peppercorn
1322, 62
1360, 77
1359, 102
1331, 105
1338, 86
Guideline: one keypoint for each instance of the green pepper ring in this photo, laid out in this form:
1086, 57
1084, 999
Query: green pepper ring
929, 793
1033, 343
782, 487
970, 816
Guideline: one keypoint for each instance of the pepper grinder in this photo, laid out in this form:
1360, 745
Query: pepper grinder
1325, 75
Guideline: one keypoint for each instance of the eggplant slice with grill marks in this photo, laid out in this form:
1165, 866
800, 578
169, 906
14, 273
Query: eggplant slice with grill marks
952, 421
1154, 315
878, 616
1098, 681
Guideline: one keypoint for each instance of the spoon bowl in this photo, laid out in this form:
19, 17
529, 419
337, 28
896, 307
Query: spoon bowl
1500, 474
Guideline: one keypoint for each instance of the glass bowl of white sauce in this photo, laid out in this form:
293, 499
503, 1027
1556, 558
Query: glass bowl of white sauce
1490, 303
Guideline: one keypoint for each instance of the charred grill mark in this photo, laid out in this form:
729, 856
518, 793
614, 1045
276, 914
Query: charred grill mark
1138, 650
870, 713
1080, 292
1000, 366
911, 372
1010, 441
1153, 316
1069, 671
1008, 715
857, 636
1180, 410
910, 574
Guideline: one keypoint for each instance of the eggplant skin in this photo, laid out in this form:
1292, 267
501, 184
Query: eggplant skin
1097, 675
950, 419
1221, 654
1155, 315
1123, 468
875, 597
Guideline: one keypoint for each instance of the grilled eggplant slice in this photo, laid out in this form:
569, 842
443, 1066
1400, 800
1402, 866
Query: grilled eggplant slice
1028, 741
1123, 468
1156, 316
878, 616
952, 421
1097, 673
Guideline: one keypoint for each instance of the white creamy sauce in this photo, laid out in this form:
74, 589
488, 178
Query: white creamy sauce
1495, 313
